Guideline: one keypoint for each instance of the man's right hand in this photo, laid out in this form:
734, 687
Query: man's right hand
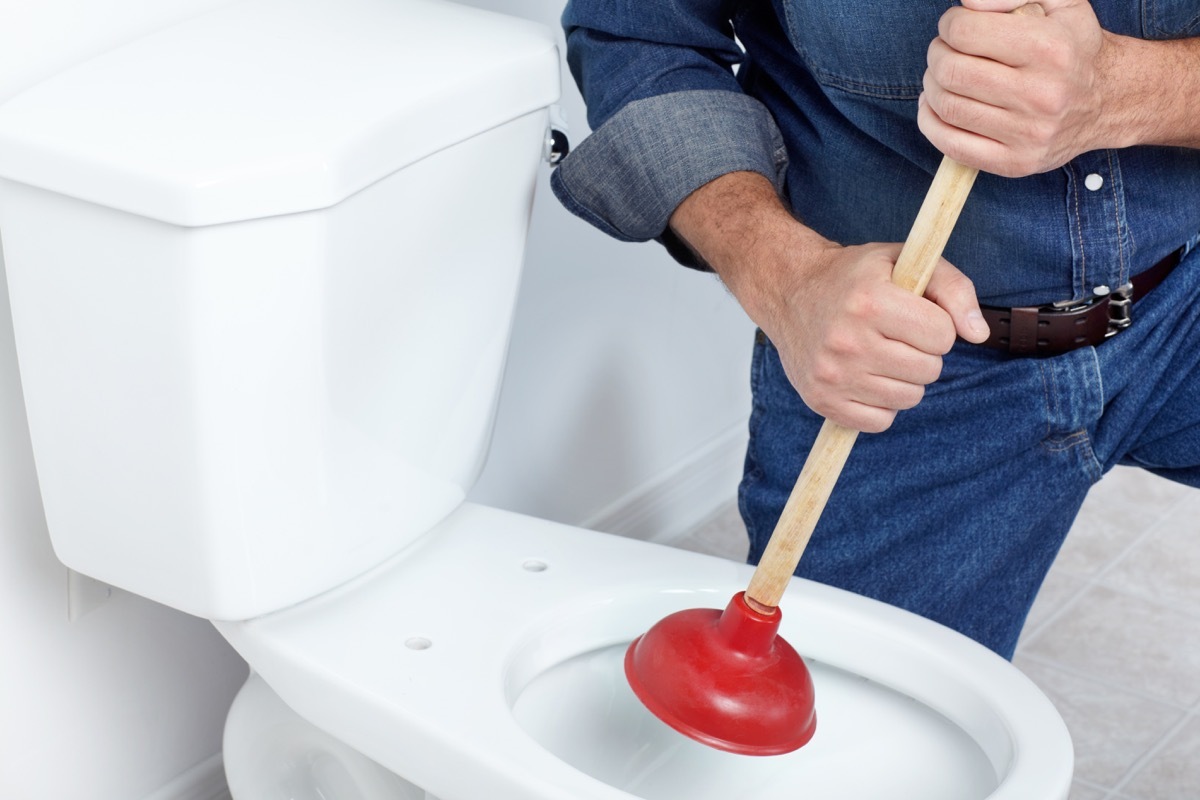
855, 346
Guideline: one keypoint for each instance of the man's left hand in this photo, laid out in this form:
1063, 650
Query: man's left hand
1015, 94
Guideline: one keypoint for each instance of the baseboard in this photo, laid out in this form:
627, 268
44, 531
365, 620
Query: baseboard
680, 498
205, 781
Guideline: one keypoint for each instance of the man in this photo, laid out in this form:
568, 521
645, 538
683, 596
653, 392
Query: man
794, 179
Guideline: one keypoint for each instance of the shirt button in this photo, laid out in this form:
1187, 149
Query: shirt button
1093, 182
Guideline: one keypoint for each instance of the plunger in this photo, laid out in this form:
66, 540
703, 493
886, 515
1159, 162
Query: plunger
727, 679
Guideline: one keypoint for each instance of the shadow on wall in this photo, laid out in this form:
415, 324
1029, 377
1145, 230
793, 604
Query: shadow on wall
622, 365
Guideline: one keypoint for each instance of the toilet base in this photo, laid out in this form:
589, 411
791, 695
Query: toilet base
271, 751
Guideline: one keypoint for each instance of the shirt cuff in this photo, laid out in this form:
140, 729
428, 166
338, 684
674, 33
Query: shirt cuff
630, 175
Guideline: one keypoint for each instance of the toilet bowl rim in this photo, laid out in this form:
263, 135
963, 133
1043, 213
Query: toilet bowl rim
651, 582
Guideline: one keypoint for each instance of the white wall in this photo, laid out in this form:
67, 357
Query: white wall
627, 377
626, 383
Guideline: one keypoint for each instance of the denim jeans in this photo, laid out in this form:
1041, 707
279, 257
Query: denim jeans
957, 511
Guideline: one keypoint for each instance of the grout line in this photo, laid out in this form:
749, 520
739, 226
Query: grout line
1100, 577
1032, 634
1151, 753
1126, 551
1186, 710
1095, 787
1097, 578
1182, 610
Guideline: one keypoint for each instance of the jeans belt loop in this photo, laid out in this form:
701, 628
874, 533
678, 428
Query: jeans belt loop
1061, 327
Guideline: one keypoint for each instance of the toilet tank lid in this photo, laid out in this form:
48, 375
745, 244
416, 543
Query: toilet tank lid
267, 107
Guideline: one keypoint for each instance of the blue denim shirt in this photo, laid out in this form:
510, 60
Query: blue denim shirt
824, 103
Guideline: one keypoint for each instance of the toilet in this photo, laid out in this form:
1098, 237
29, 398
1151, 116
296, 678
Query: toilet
262, 267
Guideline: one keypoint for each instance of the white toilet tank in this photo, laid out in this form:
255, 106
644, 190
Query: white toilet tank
262, 267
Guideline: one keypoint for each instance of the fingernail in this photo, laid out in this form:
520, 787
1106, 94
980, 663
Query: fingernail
977, 325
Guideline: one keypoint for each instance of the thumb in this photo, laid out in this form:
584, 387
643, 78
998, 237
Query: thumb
955, 293
1002, 6
1005, 6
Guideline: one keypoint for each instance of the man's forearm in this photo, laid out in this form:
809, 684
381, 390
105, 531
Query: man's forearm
1150, 91
739, 227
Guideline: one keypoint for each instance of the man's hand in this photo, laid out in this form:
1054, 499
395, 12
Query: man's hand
854, 345
1016, 94
857, 347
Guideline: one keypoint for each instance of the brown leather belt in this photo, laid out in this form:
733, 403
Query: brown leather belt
1062, 327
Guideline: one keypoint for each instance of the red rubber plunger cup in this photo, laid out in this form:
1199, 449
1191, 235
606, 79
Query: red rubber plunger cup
725, 679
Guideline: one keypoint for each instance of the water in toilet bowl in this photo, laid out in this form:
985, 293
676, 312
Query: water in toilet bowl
871, 742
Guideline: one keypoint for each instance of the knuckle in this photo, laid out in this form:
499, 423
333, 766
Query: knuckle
944, 340
957, 149
951, 108
957, 288
1048, 106
1025, 165
955, 74
878, 422
955, 26
910, 397
840, 344
1045, 49
931, 371
1011, 166
962, 285
861, 304
825, 371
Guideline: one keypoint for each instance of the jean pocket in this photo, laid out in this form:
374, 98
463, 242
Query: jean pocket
877, 49
1170, 19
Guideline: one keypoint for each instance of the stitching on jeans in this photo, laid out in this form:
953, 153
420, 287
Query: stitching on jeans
1079, 233
1112, 170
1046, 398
1061, 444
1097, 471
1099, 377
1058, 410
1155, 28
1079, 439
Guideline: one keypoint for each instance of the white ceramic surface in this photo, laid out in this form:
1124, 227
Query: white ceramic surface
463, 662
273, 754
605, 732
229, 419
268, 107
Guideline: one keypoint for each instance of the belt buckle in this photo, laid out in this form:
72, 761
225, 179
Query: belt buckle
1120, 310
1119, 301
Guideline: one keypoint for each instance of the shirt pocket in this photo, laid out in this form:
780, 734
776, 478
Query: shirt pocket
1170, 19
877, 48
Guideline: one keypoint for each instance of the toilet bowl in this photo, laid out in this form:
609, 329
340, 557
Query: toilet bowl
486, 663
262, 267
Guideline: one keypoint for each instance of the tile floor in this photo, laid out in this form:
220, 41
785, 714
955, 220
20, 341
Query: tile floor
1113, 639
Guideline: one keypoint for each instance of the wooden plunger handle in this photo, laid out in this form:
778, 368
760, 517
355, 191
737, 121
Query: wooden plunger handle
914, 268
912, 272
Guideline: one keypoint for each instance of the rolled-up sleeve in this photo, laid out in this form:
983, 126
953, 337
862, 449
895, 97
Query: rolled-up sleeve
667, 113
